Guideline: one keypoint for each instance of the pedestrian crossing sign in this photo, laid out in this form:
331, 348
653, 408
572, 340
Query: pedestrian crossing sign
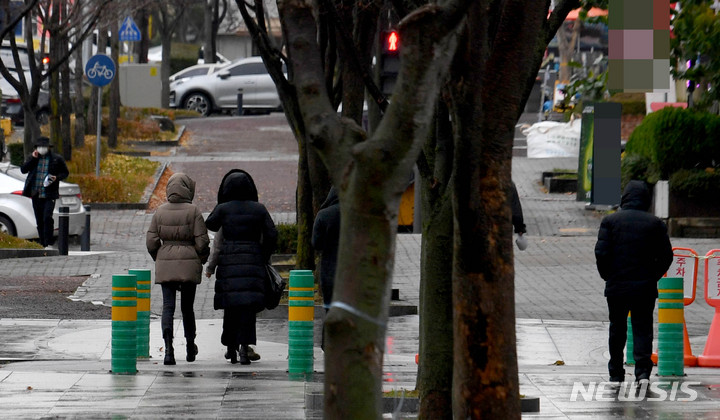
129, 30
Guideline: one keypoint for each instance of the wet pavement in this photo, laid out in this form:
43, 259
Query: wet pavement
60, 368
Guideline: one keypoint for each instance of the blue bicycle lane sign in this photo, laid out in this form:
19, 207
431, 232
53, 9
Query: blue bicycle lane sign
100, 70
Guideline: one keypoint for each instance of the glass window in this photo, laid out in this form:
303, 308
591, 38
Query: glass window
248, 69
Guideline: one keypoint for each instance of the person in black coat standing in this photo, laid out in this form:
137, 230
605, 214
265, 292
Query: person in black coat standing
45, 170
325, 238
633, 252
249, 239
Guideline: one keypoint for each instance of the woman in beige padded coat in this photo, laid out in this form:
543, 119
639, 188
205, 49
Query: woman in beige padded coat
177, 241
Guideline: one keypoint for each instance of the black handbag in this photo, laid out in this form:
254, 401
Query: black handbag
274, 287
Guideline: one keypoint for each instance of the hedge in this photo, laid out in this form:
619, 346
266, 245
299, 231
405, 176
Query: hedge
676, 138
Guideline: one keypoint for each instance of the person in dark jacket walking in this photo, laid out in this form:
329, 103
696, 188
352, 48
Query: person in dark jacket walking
325, 238
518, 220
45, 170
249, 239
177, 241
632, 252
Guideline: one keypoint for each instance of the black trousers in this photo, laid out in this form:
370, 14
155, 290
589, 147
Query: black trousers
641, 309
43, 209
187, 299
238, 327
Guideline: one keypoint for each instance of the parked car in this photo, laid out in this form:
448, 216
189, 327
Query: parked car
12, 105
155, 56
196, 70
219, 91
16, 212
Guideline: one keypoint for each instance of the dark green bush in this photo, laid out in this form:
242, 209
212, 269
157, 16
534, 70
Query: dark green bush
16, 152
676, 138
695, 183
287, 238
638, 167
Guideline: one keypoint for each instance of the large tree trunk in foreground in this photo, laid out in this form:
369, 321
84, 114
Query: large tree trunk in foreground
485, 379
371, 176
435, 364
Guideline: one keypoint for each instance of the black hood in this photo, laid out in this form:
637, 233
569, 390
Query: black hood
636, 196
331, 199
237, 185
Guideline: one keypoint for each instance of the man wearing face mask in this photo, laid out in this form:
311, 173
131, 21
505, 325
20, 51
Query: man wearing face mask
45, 170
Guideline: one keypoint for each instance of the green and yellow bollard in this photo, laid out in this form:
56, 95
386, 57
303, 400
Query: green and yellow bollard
144, 285
630, 343
671, 320
301, 315
124, 321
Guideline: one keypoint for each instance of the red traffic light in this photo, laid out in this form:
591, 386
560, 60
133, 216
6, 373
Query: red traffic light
392, 41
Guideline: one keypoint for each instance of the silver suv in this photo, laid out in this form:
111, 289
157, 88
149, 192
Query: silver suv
219, 91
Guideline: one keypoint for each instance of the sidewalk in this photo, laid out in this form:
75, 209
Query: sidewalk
61, 367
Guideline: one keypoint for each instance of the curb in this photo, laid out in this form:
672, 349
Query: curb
27, 253
143, 204
281, 312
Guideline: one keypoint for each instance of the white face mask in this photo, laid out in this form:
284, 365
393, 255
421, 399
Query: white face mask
42, 150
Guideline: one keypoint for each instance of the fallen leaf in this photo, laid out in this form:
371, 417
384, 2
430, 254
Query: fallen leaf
559, 363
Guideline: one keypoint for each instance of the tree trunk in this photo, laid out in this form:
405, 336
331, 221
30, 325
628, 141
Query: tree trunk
143, 46
114, 97
485, 382
79, 101
166, 36
208, 30
55, 53
435, 364
65, 124
567, 42
31, 129
305, 257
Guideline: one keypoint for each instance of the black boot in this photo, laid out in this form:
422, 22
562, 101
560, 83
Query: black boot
169, 351
231, 354
244, 359
192, 350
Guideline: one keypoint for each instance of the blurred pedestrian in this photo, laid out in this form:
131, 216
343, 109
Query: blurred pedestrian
518, 220
177, 241
45, 170
632, 252
249, 238
325, 238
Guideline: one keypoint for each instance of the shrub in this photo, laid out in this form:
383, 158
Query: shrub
103, 189
287, 238
675, 138
16, 152
7, 241
123, 178
638, 167
695, 183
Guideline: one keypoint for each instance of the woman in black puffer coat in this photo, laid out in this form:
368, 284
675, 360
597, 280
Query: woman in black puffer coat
249, 239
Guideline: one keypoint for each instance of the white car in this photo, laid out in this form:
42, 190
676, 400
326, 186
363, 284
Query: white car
219, 91
196, 70
16, 212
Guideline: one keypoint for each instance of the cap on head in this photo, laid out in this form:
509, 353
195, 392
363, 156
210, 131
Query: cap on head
42, 141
